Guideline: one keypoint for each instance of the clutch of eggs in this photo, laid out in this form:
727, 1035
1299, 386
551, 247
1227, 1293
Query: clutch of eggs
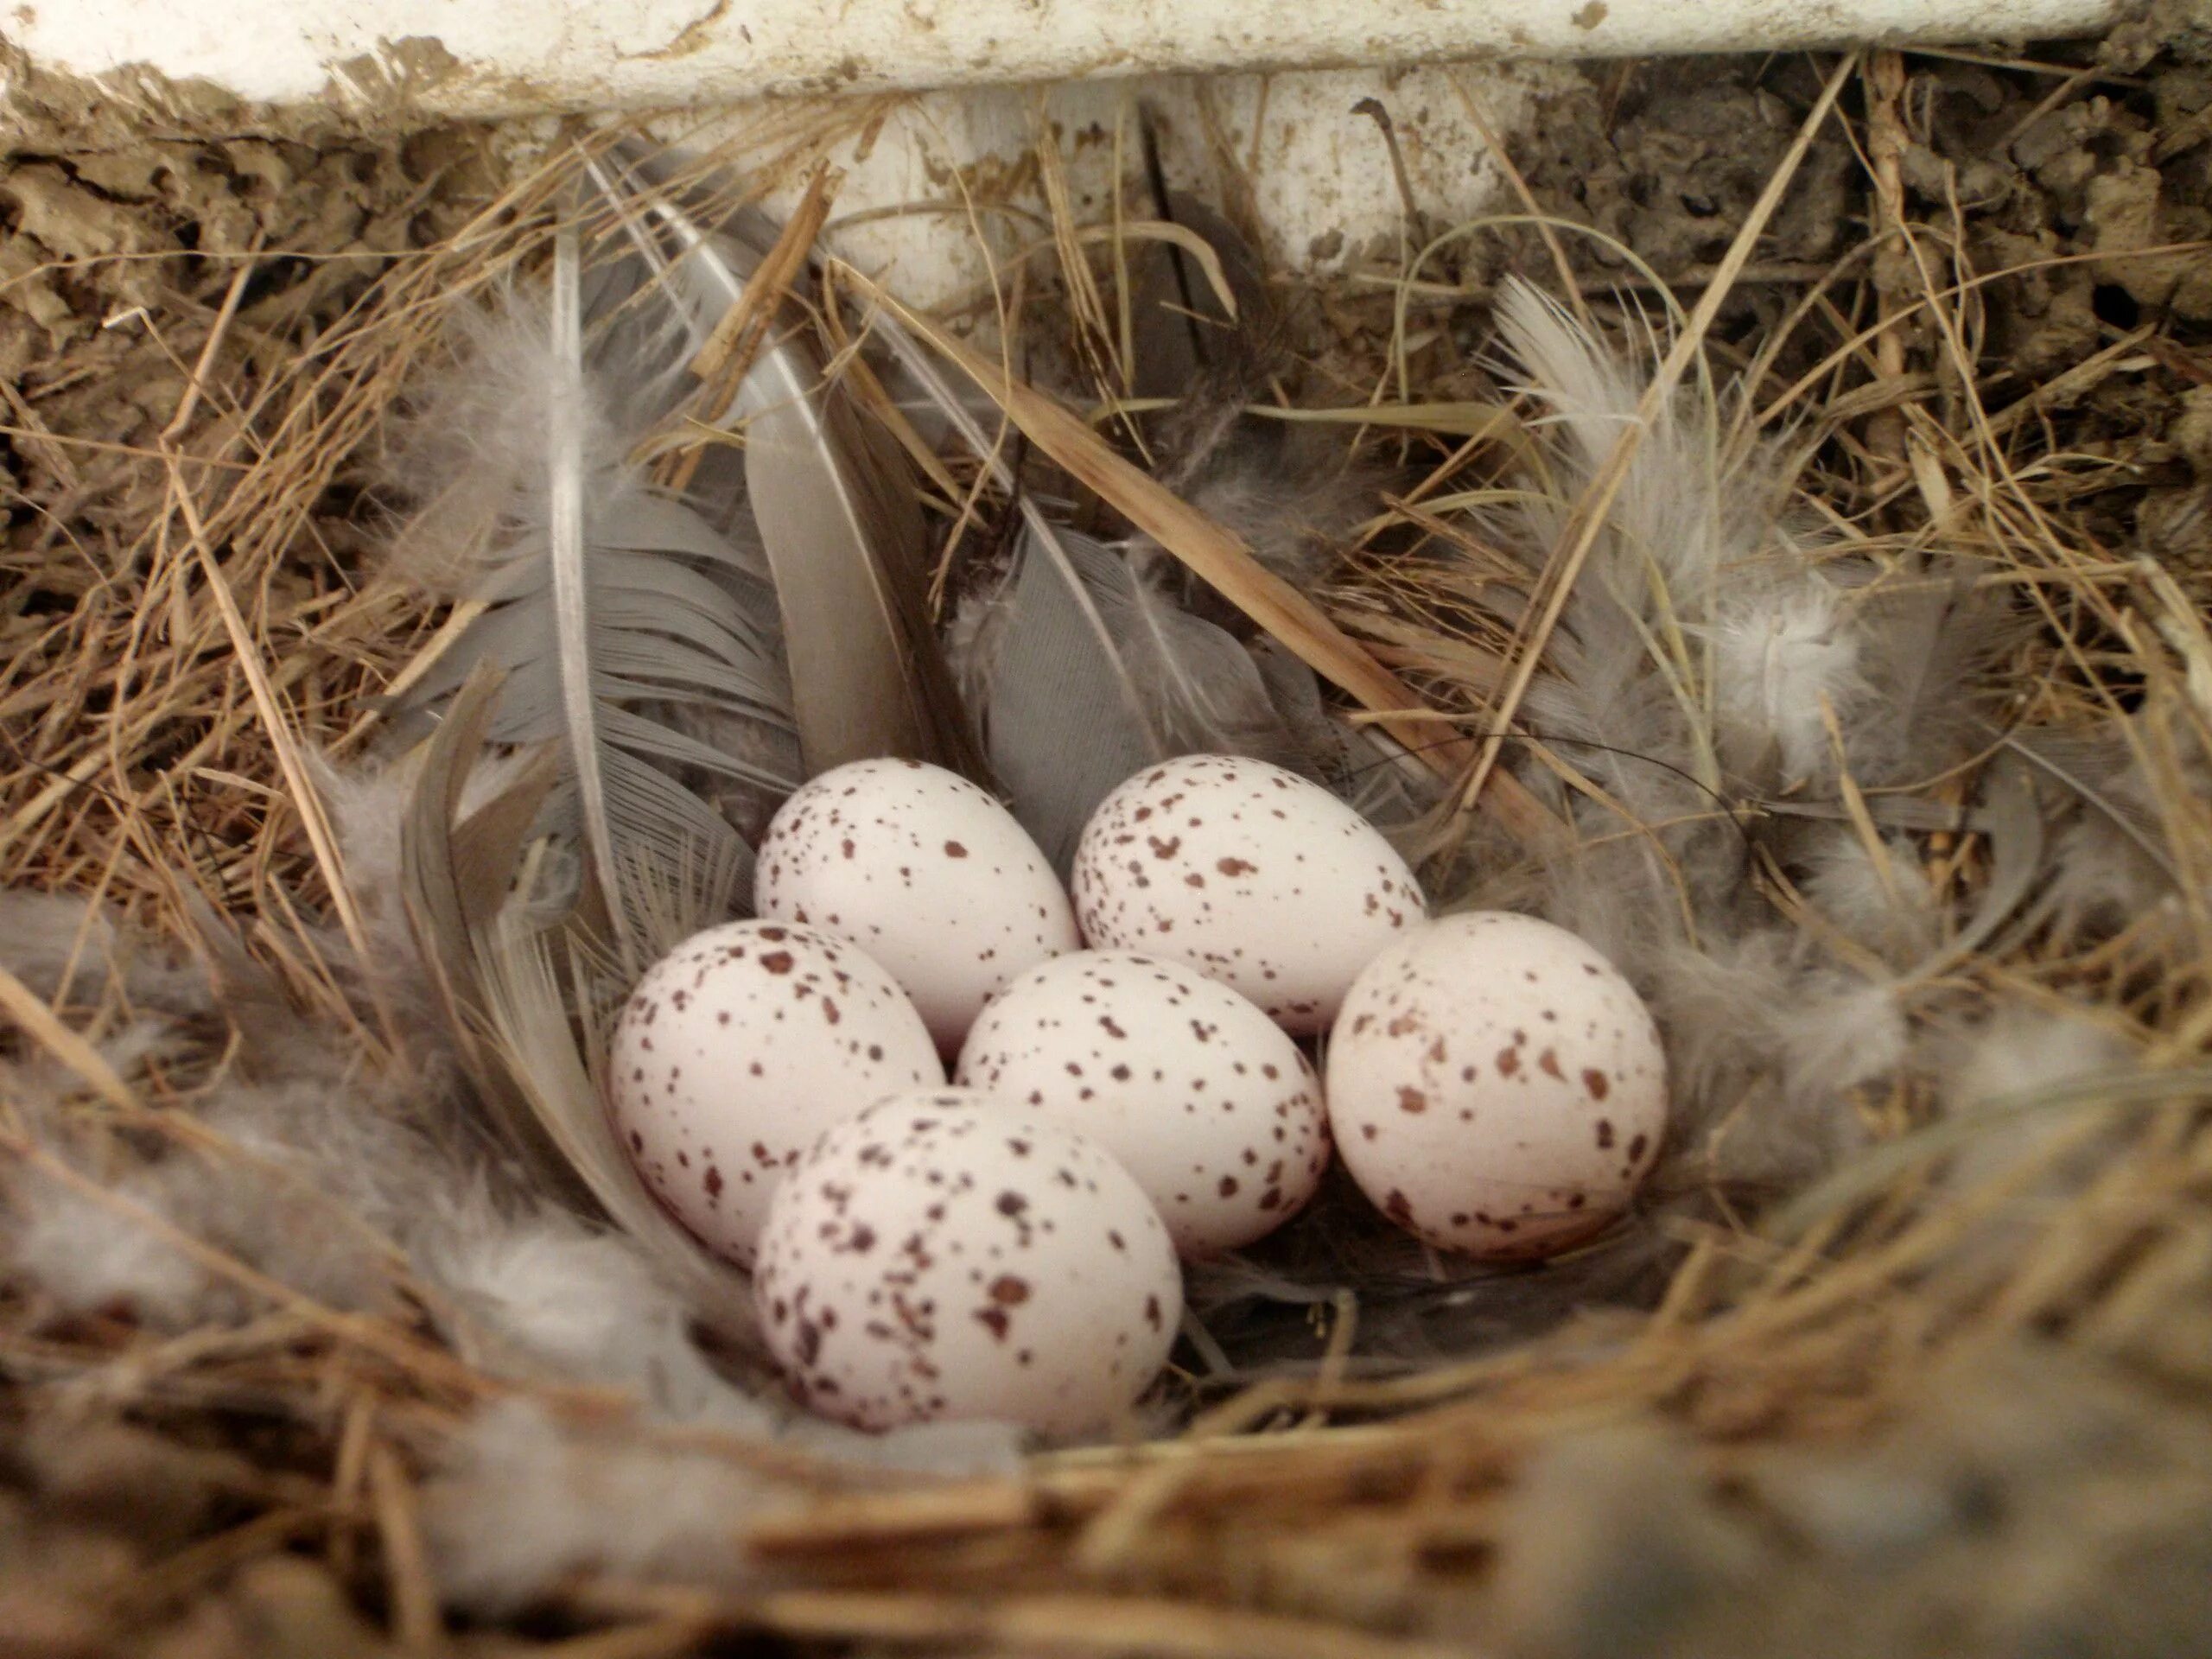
1006, 1249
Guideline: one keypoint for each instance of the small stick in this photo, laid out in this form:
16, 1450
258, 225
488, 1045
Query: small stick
19, 1002
1886, 140
728, 357
407, 1562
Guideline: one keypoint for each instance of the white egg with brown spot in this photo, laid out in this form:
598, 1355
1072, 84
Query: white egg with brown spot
1248, 874
946, 1257
1496, 1086
1194, 1089
740, 1047
925, 872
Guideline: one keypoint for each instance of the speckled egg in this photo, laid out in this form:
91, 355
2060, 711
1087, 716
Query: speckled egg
947, 1256
925, 872
1497, 1086
1250, 874
1192, 1088
738, 1049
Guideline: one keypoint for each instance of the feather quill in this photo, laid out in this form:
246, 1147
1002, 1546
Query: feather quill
645, 641
841, 529
517, 986
633, 636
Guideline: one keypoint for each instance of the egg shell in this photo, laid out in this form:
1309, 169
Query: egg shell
946, 1257
1496, 1086
740, 1047
924, 871
1248, 874
1192, 1088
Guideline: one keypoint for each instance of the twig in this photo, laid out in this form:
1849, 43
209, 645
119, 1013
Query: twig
1885, 139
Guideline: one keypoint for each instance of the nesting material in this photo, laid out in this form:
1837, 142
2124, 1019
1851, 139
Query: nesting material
1799, 565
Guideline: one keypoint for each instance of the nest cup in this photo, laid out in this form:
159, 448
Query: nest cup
1905, 1349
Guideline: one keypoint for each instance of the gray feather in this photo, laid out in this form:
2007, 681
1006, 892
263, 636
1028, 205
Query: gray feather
633, 635
1049, 673
841, 528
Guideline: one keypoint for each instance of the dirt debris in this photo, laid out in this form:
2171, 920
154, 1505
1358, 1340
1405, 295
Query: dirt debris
114, 263
2077, 182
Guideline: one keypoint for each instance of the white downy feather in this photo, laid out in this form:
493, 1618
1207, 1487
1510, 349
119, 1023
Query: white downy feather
2000, 1070
79, 1253
1710, 655
1782, 661
1886, 905
524, 1503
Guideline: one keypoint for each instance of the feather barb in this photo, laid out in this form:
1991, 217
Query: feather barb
1218, 557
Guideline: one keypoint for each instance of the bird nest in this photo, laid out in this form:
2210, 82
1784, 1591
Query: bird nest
1907, 1348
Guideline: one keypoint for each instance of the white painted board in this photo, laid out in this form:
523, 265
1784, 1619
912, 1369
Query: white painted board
487, 57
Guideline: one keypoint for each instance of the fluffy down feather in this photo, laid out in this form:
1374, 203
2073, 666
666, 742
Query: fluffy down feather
1712, 657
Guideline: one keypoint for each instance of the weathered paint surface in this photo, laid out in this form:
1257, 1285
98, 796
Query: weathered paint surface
484, 57
940, 192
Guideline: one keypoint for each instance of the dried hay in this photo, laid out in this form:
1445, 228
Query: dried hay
1951, 1398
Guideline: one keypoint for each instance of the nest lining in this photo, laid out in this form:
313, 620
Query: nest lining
1816, 1396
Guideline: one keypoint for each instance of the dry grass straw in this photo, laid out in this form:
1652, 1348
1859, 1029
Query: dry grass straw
156, 733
